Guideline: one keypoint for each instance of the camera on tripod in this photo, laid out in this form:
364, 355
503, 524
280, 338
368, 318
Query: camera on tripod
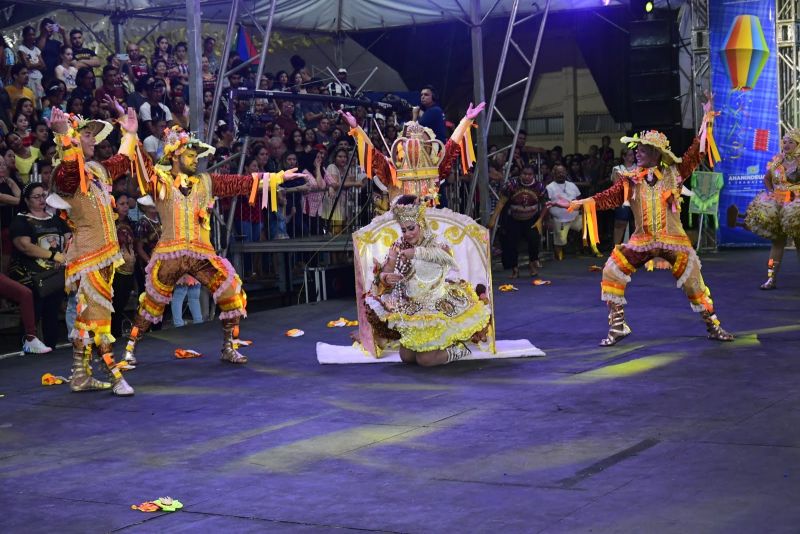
255, 124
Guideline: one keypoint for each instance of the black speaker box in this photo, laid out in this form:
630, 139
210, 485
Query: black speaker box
653, 81
654, 86
648, 114
652, 59
649, 33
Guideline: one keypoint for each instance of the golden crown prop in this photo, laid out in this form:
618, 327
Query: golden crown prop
416, 156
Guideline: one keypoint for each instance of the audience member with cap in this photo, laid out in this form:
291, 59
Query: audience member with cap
340, 87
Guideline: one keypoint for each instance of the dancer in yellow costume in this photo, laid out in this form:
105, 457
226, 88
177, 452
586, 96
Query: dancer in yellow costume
775, 213
412, 300
85, 186
184, 200
653, 191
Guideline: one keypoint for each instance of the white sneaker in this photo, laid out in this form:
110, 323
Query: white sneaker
34, 346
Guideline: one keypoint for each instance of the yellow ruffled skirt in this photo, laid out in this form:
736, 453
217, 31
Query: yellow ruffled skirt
456, 314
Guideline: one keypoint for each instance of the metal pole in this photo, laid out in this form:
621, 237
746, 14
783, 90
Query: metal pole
117, 21
481, 173
524, 103
500, 67
222, 68
262, 60
360, 87
193, 29
212, 119
484, 134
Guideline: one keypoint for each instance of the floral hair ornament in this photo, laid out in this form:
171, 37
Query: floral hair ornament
176, 140
655, 139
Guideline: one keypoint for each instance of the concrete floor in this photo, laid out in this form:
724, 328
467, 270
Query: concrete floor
666, 432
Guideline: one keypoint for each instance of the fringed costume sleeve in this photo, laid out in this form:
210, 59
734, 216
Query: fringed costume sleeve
67, 177
372, 160
612, 197
117, 166
231, 185
690, 160
452, 150
381, 169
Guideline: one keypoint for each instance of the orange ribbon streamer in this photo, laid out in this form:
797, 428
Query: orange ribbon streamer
368, 164
254, 188
82, 172
590, 235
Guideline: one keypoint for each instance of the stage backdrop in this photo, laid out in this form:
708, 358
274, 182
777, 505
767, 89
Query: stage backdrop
744, 80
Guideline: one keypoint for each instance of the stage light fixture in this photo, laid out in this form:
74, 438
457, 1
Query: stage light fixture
642, 9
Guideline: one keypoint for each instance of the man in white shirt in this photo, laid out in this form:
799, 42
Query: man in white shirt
562, 220
154, 108
154, 143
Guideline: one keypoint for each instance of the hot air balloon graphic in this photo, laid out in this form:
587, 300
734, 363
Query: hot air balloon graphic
745, 52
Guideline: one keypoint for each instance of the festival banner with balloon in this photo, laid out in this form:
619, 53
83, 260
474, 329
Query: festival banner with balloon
744, 80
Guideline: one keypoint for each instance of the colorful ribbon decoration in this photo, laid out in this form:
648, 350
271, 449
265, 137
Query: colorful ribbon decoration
366, 155
138, 168
363, 149
590, 235
467, 149
271, 180
254, 189
708, 145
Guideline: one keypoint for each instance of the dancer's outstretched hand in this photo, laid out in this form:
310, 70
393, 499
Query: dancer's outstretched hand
113, 106
559, 202
348, 118
59, 121
292, 174
474, 112
130, 123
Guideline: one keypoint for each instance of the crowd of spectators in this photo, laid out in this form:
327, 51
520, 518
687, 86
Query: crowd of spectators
561, 175
54, 67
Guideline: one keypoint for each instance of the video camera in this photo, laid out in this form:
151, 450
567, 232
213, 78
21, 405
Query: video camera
255, 124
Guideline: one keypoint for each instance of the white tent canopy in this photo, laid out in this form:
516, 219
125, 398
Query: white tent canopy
359, 15
328, 15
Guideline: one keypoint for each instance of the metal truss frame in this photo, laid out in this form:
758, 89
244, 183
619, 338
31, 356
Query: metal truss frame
701, 55
788, 37
481, 177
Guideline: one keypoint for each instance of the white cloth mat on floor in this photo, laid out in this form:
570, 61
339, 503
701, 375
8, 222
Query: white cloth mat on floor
506, 348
